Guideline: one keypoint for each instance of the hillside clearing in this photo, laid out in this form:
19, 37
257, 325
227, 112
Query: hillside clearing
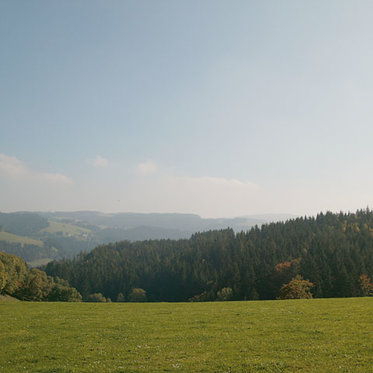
66, 229
320, 335
13, 238
39, 262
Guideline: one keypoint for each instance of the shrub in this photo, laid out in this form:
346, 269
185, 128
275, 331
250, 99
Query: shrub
225, 294
96, 297
297, 288
137, 295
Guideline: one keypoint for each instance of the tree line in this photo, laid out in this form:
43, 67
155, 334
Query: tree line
330, 251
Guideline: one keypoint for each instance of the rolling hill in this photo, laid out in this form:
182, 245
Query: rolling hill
39, 237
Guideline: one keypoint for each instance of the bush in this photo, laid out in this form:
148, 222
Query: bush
61, 293
225, 294
297, 288
137, 295
96, 297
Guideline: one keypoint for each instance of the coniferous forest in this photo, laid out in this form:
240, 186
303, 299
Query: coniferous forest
332, 251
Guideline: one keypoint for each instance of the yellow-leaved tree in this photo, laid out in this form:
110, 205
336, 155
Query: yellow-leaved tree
297, 288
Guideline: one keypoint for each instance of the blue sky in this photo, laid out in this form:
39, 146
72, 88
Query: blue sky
220, 108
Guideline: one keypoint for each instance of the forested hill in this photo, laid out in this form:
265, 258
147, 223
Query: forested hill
39, 237
331, 250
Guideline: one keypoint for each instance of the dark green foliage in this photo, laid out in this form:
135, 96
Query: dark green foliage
65, 247
332, 251
63, 293
121, 298
253, 295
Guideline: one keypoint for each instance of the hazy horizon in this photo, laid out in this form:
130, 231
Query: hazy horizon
264, 216
220, 109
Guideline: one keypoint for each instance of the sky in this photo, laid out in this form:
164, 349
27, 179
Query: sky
218, 108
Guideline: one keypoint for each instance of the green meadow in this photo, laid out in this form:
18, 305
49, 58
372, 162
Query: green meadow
317, 335
66, 229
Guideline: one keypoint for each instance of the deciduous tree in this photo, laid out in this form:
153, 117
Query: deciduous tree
137, 295
297, 288
366, 285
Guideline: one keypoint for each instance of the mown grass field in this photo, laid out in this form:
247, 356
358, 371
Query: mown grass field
320, 335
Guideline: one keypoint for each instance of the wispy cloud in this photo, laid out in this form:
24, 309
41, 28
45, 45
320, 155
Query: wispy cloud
217, 182
100, 162
151, 188
14, 167
148, 167
206, 195
210, 196
56, 178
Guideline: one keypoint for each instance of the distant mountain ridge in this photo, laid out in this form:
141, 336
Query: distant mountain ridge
177, 221
64, 234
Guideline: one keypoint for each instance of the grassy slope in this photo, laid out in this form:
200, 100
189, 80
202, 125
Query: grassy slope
323, 335
13, 238
39, 262
8, 298
67, 229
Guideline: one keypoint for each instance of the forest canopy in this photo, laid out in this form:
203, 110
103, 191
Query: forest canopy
330, 251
